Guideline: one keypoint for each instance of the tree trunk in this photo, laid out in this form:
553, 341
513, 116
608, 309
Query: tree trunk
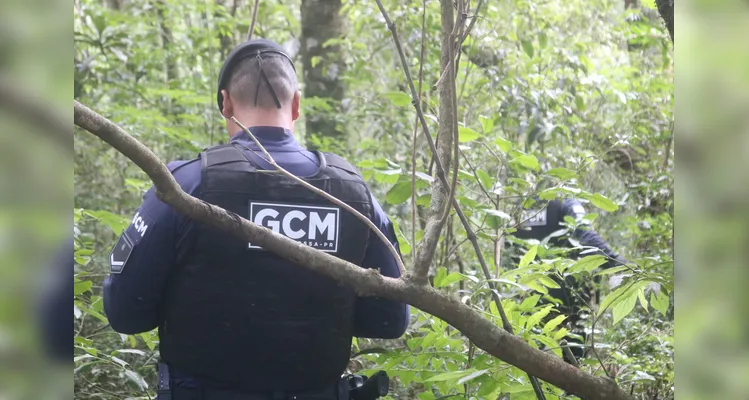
323, 66
666, 9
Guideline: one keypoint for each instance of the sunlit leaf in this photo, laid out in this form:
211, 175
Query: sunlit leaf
399, 193
487, 124
660, 301
466, 134
399, 99
527, 47
562, 173
528, 161
529, 256
538, 316
554, 323
603, 203
451, 375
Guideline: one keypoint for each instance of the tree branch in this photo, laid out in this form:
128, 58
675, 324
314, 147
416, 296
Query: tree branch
366, 282
26, 107
254, 19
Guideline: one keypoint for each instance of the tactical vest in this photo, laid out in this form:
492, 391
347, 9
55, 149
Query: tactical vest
245, 317
541, 222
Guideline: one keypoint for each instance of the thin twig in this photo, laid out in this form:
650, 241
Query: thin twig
441, 174
415, 132
254, 19
324, 194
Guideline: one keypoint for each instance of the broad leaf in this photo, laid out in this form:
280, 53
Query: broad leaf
528, 161
603, 203
527, 47
529, 256
466, 134
399, 99
399, 193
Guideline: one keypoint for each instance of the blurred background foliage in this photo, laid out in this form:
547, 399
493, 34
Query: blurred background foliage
555, 99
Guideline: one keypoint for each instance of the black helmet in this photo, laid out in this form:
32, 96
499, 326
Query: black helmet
251, 48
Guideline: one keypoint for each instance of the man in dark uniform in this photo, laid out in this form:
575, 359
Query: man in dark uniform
236, 321
546, 222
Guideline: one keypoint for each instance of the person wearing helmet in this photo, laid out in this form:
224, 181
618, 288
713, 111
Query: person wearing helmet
236, 321
547, 221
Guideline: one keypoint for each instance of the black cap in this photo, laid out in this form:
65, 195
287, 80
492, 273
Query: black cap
250, 48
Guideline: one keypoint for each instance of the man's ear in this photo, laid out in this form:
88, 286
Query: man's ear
295, 104
228, 107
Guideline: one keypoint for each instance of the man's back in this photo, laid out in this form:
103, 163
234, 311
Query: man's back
214, 279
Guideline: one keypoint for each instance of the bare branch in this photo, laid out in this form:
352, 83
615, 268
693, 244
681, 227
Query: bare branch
326, 195
254, 19
366, 282
27, 107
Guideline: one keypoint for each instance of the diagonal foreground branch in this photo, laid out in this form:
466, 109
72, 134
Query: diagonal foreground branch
366, 282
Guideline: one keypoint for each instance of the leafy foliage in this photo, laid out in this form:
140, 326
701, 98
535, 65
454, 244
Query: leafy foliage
552, 103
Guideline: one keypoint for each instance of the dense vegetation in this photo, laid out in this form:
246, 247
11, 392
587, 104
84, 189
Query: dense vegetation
554, 99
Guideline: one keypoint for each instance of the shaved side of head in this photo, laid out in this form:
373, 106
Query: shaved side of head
243, 84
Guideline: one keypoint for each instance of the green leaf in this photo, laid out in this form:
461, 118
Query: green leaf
452, 278
399, 99
137, 379
503, 144
487, 124
471, 376
428, 340
621, 294
649, 4
553, 323
447, 376
538, 316
587, 264
527, 47
82, 287
660, 302
399, 193
622, 308
529, 302
562, 173
116, 223
562, 332
543, 40
548, 282
440, 275
528, 161
603, 203
610, 271
129, 351
529, 256
485, 179
549, 343
466, 134
643, 300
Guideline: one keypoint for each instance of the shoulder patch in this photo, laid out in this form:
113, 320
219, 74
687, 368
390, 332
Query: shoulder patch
140, 225
120, 254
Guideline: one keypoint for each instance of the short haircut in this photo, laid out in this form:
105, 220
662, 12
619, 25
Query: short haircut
246, 75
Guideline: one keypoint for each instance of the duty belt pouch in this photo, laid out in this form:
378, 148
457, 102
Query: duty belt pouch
164, 387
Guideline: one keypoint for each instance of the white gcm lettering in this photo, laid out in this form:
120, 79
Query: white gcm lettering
327, 225
139, 224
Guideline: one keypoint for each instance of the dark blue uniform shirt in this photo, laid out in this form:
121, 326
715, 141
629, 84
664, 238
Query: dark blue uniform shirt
162, 236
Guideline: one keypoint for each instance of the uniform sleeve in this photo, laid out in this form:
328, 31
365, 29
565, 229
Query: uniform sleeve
143, 257
589, 237
376, 317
